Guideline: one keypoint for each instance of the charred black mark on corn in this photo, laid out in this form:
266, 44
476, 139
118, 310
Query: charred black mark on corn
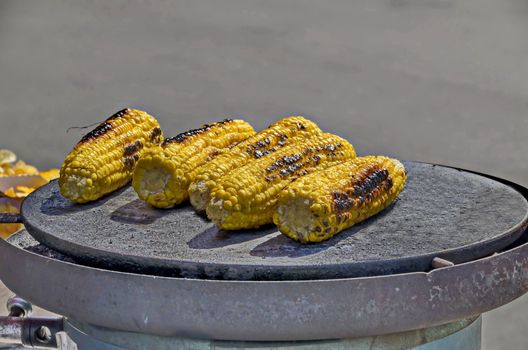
118, 114
132, 148
363, 188
130, 161
186, 135
342, 201
262, 147
131, 155
104, 127
294, 164
215, 152
301, 126
373, 181
155, 135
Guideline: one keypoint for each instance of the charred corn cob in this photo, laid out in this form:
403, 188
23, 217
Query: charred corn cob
163, 175
277, 136
246, 197
326, 202
104, 159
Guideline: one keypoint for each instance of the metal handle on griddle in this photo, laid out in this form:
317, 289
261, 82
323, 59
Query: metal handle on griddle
19, 329
10, 218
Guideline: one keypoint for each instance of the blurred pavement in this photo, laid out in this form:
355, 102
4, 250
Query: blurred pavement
434, 80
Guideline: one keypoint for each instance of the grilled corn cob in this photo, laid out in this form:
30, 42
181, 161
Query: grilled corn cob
246, 197
277, 136
104, 159
162, 175
326, 202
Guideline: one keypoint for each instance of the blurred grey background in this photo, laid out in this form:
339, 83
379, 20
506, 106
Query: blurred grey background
433, 80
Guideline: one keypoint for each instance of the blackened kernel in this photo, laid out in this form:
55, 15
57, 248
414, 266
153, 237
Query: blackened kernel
185, 135
118, 114
291, 158
263, 143
301, 126
315, 158
270, 178
330, 147
129, 163
101, 129
155, 135
129, 150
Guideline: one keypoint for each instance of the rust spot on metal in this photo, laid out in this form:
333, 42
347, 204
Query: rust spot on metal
193, 132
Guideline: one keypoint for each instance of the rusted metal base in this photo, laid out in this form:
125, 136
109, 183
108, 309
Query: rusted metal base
463, 335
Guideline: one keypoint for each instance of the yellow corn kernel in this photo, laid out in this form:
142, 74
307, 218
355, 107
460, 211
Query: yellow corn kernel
262, 180
324, 203
277, 136
104, 159
163, 175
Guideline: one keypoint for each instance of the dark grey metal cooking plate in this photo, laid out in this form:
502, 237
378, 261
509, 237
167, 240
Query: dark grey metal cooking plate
262, 310
442, 212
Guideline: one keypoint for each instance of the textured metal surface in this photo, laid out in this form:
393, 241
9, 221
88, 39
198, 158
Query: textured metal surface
442, 212
36, 332
463, 334
266, 310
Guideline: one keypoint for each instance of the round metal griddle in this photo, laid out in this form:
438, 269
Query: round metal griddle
262, 310
444, 212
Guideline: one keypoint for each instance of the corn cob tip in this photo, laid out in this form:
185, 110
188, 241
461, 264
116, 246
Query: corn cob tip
199, 195
75, 187
151, 180
215, 212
